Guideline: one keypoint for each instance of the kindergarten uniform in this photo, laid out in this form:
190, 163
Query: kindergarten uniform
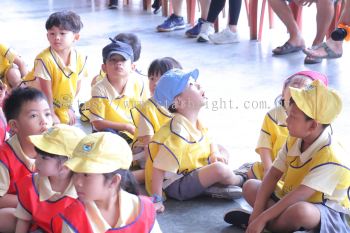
323, 167
7, 56
39, 203
49, 66
137, 214
179, 149
148, 118
107, 104
14, 164
273, 135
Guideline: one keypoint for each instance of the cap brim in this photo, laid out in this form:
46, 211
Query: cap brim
80, 165
124, 55
193, 74
40, 142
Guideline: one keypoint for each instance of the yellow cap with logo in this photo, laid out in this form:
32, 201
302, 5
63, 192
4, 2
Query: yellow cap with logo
101, 152
58, 140
318, 102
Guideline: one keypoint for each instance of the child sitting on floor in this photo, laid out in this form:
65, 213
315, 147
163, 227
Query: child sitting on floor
183, 161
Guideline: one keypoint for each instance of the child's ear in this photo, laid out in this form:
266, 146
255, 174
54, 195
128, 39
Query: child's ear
313, 125
13, 125
103, 67
76, 36
133, 66
115, 181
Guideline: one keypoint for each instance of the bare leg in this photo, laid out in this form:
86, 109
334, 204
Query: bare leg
325, 12
13, 77
204, 8
301, 214
250, 190
283, 11
218, 173
177, 6
7, 220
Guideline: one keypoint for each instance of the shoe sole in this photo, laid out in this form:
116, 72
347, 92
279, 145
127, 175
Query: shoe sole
238, 218
202, 40
191, 35
170, 29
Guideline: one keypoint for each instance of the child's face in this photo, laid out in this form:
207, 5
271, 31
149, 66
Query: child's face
297, 124
193, 95
61, 39
34, 118
47, 166
91, 187
117, 66
286, 99
153, 80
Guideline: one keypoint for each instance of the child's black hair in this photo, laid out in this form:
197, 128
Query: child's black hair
60, 158
19, 96
67, 20
132, 40
162, 65
128, 181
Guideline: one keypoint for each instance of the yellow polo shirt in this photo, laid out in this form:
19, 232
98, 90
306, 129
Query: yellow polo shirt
107, 104
64, 79
273, 135
7, 56
27, 161
128, 211
323, 167
177, 148
43, 185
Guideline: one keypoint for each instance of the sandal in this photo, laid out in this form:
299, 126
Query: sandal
287, 48
330, 54
312, 60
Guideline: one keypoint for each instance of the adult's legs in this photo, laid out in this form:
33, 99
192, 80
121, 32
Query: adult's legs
234, 12
335, 46
174, 21
325, 12
196, 29
283, 11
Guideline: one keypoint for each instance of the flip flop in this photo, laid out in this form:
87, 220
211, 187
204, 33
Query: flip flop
287, 48
330, 53
312, 60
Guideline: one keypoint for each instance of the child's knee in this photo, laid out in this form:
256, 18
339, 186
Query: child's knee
13, 77
250, 189
303, 210
221, 170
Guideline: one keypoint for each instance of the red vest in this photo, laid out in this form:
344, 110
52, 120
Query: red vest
16, 168
41, 211
74, 216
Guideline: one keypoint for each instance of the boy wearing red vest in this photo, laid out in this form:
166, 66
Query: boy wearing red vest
28, 113
43, 194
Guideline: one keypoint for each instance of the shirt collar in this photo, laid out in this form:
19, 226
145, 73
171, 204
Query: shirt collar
16, 146
184, 128
72, 66
46, 192
321, 141
128, 89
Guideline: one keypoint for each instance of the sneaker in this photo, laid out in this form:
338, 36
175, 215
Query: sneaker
224, 37
229, 192
243, 171
113, 4
206, 30
195, 30
172, 23
157, 6
238, 217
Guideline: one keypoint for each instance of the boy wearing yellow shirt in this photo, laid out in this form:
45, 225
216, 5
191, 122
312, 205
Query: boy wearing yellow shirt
58, 70
316, 172
114, 96
12, 67
183, 161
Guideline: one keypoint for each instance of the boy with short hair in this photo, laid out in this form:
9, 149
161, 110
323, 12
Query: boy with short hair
58, 70
114, 96
28, 113
12, 67
44, 194
315, 169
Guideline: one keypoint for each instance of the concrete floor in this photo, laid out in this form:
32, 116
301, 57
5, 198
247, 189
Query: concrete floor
241, 80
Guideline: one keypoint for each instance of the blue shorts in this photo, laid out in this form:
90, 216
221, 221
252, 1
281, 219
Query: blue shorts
333, 221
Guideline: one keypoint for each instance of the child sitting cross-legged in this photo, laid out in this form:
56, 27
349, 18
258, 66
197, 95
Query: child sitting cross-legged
183, 161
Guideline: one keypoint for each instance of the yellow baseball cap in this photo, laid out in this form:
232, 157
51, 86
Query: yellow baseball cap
58, 140
318, 102
101, 152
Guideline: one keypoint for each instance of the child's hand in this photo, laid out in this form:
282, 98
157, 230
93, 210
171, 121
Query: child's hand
72, 117
256, 226
217, 157
159, 207
130, 128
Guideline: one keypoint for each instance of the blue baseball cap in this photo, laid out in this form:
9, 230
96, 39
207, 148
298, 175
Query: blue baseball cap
171, 84
117, 47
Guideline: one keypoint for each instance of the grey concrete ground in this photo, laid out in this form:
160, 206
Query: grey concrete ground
241, 80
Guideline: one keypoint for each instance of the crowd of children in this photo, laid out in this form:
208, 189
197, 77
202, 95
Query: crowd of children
55, 178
